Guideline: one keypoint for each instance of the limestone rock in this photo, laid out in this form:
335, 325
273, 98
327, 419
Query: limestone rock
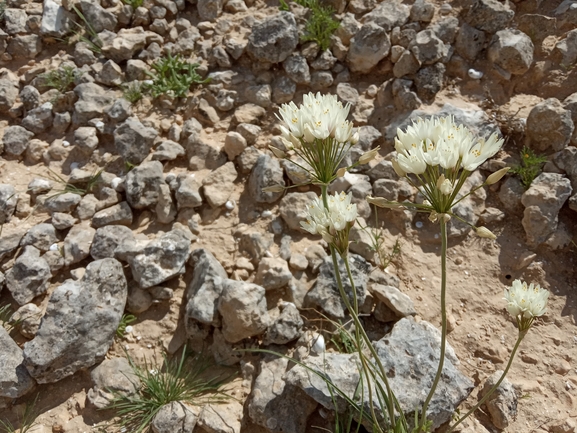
29, 277
273, 39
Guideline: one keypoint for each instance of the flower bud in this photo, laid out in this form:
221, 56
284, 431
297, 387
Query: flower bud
354, 138
444, 185
274, 188
341, 171
484, 232
497, 176
277, 152
400, 172
369, 156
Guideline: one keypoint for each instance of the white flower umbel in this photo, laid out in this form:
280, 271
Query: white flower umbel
526, 302
333, 221
318, 131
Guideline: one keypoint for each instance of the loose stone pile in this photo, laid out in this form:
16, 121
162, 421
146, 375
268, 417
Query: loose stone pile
185, 167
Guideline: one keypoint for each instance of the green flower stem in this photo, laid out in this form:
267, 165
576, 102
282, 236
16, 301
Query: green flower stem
486, 396
443, 321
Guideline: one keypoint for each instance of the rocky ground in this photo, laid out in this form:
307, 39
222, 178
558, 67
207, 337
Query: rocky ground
155, 208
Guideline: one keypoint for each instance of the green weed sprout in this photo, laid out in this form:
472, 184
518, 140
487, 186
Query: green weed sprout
175, 380
320, 23
126, 320
66, 187
26, 423
61, 79
174, 76
93, 41
530, 167
134, 91
134, 3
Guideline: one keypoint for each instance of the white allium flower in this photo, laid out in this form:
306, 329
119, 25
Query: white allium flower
526, 302
481, 151
318, 117
328, 222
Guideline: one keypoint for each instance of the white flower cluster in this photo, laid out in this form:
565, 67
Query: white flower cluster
526, 302
318, 117
439, 141
340, 215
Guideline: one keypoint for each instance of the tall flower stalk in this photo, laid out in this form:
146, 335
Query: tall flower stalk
436, 156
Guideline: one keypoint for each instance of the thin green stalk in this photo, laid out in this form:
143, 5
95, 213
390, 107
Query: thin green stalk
443, 321
494, 387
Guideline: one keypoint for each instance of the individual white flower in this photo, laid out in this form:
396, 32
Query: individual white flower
525, 303
412, 161
481, 151
444, 185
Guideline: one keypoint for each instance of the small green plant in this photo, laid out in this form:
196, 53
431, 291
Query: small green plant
80, 189
530, 167
5, 317
62, 79
343, 340
93, 41
134, 91
26, 423
320, 24
134, 3
174, 76
180, 379
126, 320
2, 9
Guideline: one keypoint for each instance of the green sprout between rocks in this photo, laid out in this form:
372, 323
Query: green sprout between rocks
320, 24
180, 379
92, 40
134, 91
6, 321
126, 320
174, 76
134, 3
530, 167
62, 79
80, 189
26, 423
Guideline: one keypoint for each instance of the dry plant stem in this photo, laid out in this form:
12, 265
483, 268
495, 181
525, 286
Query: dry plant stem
494, 387
359, 330
443, 321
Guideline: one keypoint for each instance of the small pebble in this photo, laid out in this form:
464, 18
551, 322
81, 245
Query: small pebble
169, 177
65, 143
148, 82
117, 184
128, 329
474, 74
230, 205
419, 224
74, 165
99, 125
318, 346
266, 214
53, 247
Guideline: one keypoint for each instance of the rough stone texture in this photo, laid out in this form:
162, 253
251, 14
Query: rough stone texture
9, 243
99, 18
234, 144
120, 214
293, 208
368, 47
162, 259
429, 81
273, 273
427, 47
267, 172
286, 327
542, 202
209, 10
388, 15
393, 298
243, 310
470, 41
549, 124
219, 185
489, 15
273, 39
112, 375
511, 50
133, 140
15, 381
16, 139
106, 240
325, 294
297, 69
29, 277
174, 417
502, 404
56, 21
40, 236
79, 324
8, 94
567, 48
254, 243
205, 288
510, 194
411, 350
28, 317
8, 201
143, 184
39, 119
188, 192
276, 405
221, 418
77, 244
92, 102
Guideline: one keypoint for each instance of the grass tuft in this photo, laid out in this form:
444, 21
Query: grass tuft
26, 423
126, 320
176, 380
61, 79
173, 76
134, 91
320, 24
